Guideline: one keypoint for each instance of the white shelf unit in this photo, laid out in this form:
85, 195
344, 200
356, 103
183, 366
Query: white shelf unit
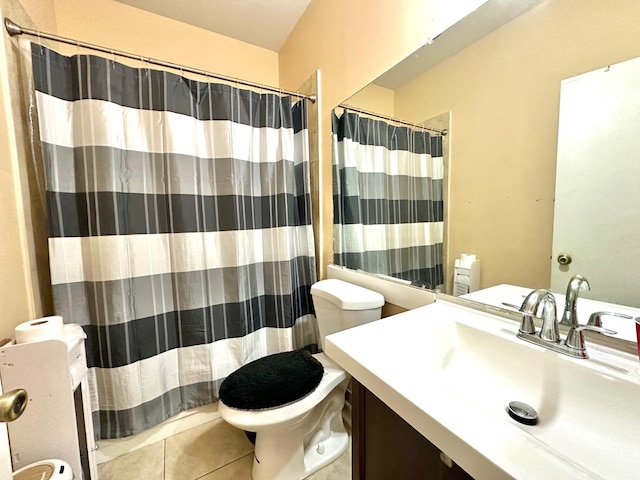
57, 421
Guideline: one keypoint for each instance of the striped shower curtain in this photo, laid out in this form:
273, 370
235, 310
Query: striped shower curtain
180, 230
387, 199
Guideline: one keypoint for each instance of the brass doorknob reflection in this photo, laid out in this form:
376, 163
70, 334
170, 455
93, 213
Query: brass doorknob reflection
12, 404
564, 259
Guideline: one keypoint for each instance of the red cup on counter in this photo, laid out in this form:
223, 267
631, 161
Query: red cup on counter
637, 319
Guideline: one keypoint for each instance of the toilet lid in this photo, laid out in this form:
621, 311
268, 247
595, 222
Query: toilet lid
45, 470
272, 381
39, 472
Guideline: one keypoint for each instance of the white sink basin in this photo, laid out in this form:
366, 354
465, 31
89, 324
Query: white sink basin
451, 372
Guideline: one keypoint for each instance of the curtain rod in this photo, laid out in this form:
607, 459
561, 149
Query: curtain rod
443, 132
15, 29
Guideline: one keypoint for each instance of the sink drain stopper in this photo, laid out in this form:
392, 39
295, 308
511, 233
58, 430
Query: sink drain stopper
523, 413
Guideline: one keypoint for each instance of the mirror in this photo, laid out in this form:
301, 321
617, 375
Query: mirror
501, 81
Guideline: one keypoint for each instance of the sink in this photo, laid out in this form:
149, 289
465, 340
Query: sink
575, 400
451, 372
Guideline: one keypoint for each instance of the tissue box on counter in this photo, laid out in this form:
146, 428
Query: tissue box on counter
466, 274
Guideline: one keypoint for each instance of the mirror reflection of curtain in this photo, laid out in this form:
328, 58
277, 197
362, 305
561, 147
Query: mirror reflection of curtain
388, 199
180, 230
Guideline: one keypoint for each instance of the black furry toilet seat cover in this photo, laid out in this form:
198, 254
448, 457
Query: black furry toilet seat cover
272, 381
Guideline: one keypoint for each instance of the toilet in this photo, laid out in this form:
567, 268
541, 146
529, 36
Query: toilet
298, 438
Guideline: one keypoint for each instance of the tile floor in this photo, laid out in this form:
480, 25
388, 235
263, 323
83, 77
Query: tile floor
211, 451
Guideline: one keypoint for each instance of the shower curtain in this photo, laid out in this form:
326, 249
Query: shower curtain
387, 199
180, 230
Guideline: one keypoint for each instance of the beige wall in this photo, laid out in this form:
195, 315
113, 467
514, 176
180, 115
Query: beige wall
40, 12
13, 284
122, 27
503, 93
20, 288
352, 43
374, 98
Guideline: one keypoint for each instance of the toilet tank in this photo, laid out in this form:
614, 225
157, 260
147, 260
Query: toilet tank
340, 305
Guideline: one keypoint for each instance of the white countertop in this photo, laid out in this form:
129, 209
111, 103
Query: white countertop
389, 356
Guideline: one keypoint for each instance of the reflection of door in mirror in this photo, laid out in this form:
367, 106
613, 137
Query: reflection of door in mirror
596, 215
388, 198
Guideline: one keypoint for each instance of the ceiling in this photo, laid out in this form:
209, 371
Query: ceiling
265, 23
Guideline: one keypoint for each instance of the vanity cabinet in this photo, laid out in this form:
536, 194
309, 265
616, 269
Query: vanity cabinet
386, 447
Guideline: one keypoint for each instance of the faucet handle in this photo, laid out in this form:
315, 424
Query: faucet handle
526, 324
575, 338
598, 329
530, 308
595, 319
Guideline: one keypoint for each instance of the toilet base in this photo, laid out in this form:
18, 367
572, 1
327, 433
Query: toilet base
296, 452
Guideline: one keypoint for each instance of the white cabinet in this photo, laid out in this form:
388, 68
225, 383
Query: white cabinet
57, 421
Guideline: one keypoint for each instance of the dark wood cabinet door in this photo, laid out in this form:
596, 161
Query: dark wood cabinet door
385, 447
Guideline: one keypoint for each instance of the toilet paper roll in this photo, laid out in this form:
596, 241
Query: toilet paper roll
72, 333
46, 328
466, 259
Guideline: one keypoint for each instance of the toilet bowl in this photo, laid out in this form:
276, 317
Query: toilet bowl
298, 438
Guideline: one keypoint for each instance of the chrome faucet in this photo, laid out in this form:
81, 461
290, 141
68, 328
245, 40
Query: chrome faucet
570, 315
541, 304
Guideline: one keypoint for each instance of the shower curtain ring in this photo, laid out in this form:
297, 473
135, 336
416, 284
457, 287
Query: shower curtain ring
144, 65
40, 42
